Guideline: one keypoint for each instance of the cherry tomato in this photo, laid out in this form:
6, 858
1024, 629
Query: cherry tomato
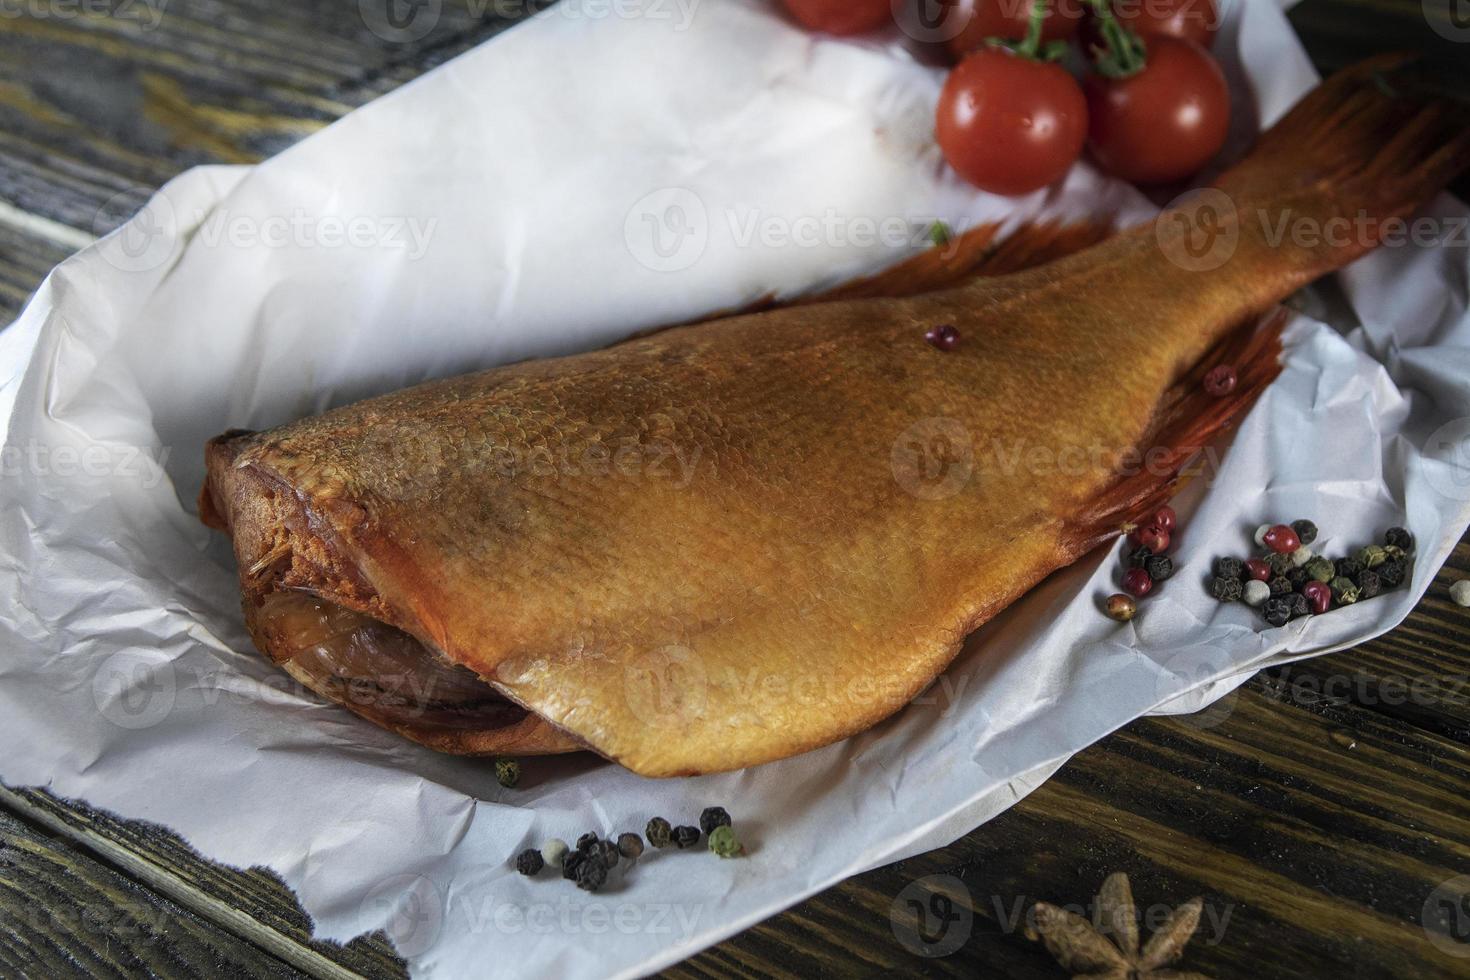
1192, 20
1165, 122
1008, 124
976, 20
841, 16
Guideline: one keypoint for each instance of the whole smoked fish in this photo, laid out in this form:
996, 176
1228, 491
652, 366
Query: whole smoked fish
728, 543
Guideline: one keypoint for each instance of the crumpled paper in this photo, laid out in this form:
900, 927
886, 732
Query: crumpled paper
599, 170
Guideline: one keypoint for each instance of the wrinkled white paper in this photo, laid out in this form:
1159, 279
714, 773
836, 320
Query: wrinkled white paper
579, 178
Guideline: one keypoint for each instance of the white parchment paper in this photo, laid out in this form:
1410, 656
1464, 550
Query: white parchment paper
578, 178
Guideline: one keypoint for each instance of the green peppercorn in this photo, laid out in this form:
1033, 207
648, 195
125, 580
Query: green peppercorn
1280, 564
1371, 556
1345, 591
1281, 585
686, 837
1306, 531
1395, 553
530, 862
630, 846
1322, 570
1399, 538
712, 817
507, 772
722, 841
1226, 589
1369, 585
659, 833
1227, 567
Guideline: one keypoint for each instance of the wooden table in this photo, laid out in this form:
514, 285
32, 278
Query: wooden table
1316, 810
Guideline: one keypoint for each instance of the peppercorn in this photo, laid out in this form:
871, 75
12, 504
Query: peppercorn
1345, 591
686, 837
1372, 556
1349, 568
1226, 589
1399, 538
1306, 531
1138, 557
1460, 592
607, 852
630, 846
722, 841
1369, 585
572, 862
1260, 535
585, 842
1298, 577
712, 817
1166, 518
1322, 570
1301, 556
1159, 567
1281, 539
1220, 381
945, 337
1137, 582
1227, 567
1150, 536
1258, 569
1300, 606
1279, 563
1121, 607
1256, 592
591, 875
554, 851
1318, 595
659, 833
507, 772
1393, 573
1280, 585
1395, 553
530, 862
1278, 611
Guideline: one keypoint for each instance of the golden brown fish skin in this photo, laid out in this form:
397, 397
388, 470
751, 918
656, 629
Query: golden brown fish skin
793, 585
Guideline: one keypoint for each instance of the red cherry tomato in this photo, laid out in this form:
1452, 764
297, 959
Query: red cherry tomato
1008, 124
1165, 122
1192, 20
976, 20
841, 16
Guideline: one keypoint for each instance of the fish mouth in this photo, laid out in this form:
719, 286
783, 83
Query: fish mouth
373, 668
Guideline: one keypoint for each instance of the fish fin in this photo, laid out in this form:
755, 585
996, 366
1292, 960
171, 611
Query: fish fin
1187, 421
1361, 151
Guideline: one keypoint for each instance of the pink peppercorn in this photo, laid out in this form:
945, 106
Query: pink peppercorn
1282, 539
1220, 381
945, 337
1258, 569
1138, 583
1166, 519
1319, 595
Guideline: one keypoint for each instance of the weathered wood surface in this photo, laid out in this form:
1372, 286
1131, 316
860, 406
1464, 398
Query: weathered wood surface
1316, 810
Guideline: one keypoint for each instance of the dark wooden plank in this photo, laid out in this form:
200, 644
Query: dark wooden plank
25, 259
63, 914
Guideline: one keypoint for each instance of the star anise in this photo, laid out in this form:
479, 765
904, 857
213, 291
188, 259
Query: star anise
1085, 950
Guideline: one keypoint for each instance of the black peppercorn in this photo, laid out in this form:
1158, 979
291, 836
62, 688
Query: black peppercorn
591, 875
586, 841
530, 862
1349, 568
1159, 567
712, 817
1369, 585
1391, 574
570, 864
630, 845
1399, 538
1277, 610
1280, 564
1138, 557
1299, 605
659, 833
1306, 531
1229, 568
1280, 585
686, 836
607, 852
1298, 577
1226, 589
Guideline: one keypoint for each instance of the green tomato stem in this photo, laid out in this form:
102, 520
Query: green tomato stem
1122, 53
